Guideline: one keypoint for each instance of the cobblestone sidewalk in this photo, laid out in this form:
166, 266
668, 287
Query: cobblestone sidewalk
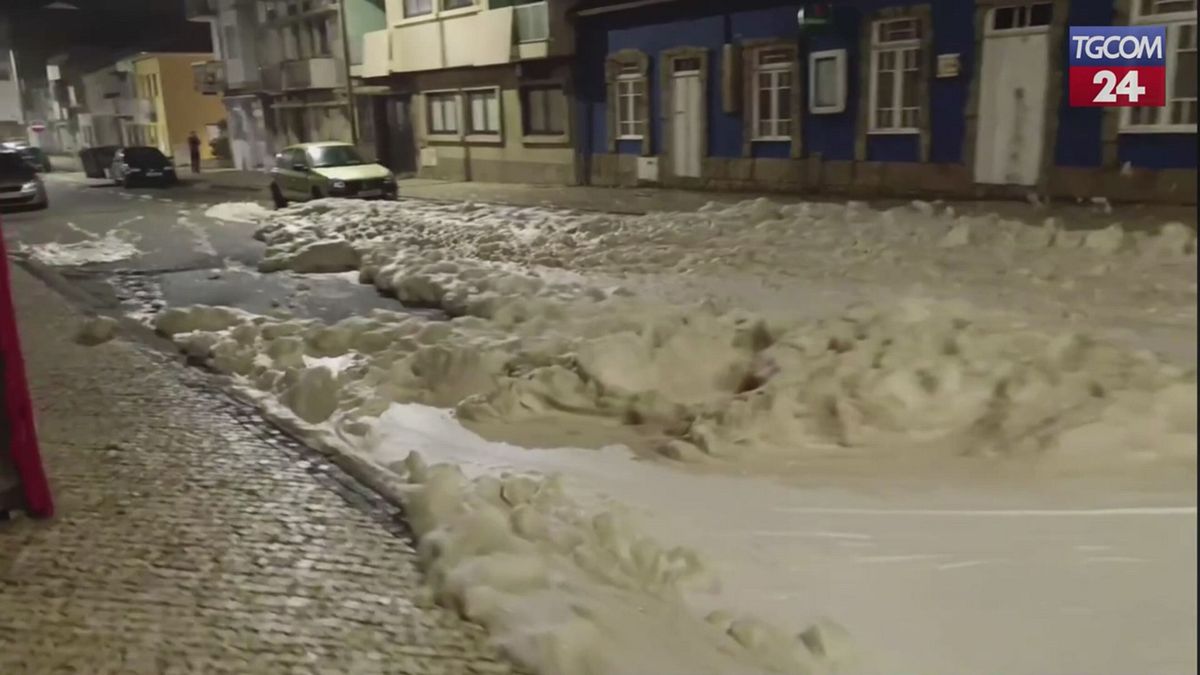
193, 539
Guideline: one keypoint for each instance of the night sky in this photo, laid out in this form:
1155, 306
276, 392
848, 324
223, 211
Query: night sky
116, 26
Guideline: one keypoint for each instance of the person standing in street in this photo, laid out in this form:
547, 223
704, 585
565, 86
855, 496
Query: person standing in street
194, 151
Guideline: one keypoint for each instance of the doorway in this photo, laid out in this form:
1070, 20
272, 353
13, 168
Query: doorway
395, 143
687, 110
1013, 83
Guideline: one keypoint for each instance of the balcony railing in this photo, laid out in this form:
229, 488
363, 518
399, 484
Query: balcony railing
318, 73
200, 9
506, 34
208, 77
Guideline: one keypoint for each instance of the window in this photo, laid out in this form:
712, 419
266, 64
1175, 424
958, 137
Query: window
320, 29
544, 111
895, 76
231, 42
532, 21
773, 81
631, 92
456, 4
1022, 16
417, 7
1179, 114
827, 81
442, 113
325, 156
483, 111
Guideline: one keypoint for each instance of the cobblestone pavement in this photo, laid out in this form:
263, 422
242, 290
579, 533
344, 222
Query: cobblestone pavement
193, 538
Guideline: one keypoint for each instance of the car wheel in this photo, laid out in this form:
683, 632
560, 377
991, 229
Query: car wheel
277, 197
316, 193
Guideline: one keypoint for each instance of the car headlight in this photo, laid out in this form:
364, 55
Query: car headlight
169, 168
31, 186
338, 184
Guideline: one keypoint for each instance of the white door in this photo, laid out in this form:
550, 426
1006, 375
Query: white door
686, 126
1009, 143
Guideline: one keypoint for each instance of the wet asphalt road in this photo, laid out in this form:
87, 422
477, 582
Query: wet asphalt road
182, 257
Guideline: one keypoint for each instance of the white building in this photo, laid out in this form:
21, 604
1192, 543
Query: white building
279, 67
12, 119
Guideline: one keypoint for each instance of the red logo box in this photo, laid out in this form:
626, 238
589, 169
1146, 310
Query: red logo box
1117, 66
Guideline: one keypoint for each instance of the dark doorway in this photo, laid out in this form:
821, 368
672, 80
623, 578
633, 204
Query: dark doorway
396, 146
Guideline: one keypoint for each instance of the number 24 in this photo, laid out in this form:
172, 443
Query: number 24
1110, 88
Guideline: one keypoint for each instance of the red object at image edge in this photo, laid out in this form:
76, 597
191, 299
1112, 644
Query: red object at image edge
22, 442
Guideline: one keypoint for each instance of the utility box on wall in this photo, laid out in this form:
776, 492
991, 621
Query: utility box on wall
647, 169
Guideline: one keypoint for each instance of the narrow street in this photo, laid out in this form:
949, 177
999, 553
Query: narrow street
158, 246
254, 552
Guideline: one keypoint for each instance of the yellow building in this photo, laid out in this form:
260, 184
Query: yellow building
171, 107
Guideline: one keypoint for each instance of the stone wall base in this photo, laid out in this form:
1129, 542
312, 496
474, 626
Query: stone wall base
878, 180
500, 171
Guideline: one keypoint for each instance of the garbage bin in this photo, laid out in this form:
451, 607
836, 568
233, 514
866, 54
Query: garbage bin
96, 161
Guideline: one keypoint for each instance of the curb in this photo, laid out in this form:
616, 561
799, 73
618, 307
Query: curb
89, 304
229, 188
374, 477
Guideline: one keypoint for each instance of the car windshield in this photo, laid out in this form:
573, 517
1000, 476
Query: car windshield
32, 152
12, 164
333, 155
144, 155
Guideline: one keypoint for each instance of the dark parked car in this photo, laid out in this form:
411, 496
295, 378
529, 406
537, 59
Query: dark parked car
20, 185
36, 157
142, 165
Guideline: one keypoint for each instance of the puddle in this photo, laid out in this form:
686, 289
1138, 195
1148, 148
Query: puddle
329, 298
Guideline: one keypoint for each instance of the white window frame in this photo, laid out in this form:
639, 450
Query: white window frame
437, 11
898, 49
627, 106
839, 68
1173, 21
774, 69
467, 112
430, 133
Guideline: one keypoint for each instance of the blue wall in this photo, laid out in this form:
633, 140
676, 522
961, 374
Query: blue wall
656, 28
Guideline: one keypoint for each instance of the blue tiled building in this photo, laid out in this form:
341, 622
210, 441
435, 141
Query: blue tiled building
955, 98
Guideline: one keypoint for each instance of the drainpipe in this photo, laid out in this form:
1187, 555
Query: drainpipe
353, 108
802, 46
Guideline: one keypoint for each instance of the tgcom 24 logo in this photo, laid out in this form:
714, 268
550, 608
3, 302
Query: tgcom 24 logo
1117, 66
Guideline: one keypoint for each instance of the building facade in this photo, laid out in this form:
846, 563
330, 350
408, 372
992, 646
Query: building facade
110, 99
472, 90
958, 98
280, 67
12, 116
169, 108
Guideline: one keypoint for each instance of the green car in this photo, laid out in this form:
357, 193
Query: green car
316, 170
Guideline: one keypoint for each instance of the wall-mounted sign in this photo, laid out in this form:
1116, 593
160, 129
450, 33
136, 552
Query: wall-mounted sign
814, 15
948, 65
